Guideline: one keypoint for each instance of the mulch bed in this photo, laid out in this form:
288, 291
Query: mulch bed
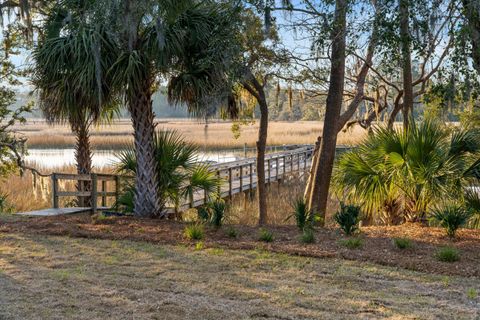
377, 247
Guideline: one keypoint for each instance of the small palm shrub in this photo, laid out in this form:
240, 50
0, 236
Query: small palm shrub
351, 243
194, 232
348, 218
303, 218
402, 243
179, 173
450, 218
428, 163
307, 236
472, 204
265, 235
213, 212
5, 206
447, 254
232, 232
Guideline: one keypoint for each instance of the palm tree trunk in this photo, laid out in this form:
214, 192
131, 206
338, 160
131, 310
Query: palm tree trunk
407, 63
83, 157
323, 172
147, 202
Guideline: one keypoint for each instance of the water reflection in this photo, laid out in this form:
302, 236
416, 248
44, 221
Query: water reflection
54, 158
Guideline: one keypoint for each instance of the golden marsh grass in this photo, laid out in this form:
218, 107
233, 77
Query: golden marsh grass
218, 135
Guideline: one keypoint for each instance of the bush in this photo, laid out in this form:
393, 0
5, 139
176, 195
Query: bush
448, 254
348, 218
402, 243
265, 235
308, 236
194, 232
213, 212
451, 218
5, 206
232, 232
217, 212
303, 218
351, 243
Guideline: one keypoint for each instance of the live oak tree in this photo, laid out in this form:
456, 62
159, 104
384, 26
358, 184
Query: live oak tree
258, 57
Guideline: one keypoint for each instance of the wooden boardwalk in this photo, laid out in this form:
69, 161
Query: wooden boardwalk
239, 176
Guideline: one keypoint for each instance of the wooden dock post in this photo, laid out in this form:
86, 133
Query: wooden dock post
55, 190
104, 190
94, 193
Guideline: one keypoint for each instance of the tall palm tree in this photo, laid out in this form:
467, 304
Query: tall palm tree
130, 45
407, 171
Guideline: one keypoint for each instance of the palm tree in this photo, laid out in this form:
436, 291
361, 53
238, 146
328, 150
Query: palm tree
179, 173
129, 45
408, 171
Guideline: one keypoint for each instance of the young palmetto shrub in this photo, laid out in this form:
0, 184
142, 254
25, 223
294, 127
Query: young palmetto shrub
194, 232
231, 232
447, 254
265, 235
402, 243
423, 165
308, 236
348, 218
213, 212
450, 217
351, 243
180, 174
472, 204
303, 218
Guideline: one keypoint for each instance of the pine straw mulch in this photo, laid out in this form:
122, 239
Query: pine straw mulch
377, 247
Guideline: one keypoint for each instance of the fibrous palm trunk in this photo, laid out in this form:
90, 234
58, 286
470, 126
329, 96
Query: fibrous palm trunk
83, 157
323, 172
147, 202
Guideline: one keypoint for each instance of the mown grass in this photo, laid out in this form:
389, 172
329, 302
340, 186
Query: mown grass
46, 277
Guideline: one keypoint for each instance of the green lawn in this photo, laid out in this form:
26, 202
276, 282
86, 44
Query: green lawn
47, 277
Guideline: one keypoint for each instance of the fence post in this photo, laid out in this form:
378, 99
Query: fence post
241, 178
276, 168
55, 190
251, 180
269, 175
104, 189
230, 183
117, 188
94, 193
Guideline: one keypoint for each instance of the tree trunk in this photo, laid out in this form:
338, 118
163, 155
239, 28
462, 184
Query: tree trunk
319, 191
471, 9
83, 157
407, 62
261, 146
147, 201
256, 89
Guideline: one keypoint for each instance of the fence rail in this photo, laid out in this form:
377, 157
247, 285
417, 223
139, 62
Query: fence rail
239, 176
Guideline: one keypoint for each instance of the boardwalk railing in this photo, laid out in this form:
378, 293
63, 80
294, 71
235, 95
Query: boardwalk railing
239, 176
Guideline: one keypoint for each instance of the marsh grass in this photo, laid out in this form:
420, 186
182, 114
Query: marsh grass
217, 136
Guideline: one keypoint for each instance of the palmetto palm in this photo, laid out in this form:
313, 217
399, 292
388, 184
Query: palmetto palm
127, 46
179, 173
407, 171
